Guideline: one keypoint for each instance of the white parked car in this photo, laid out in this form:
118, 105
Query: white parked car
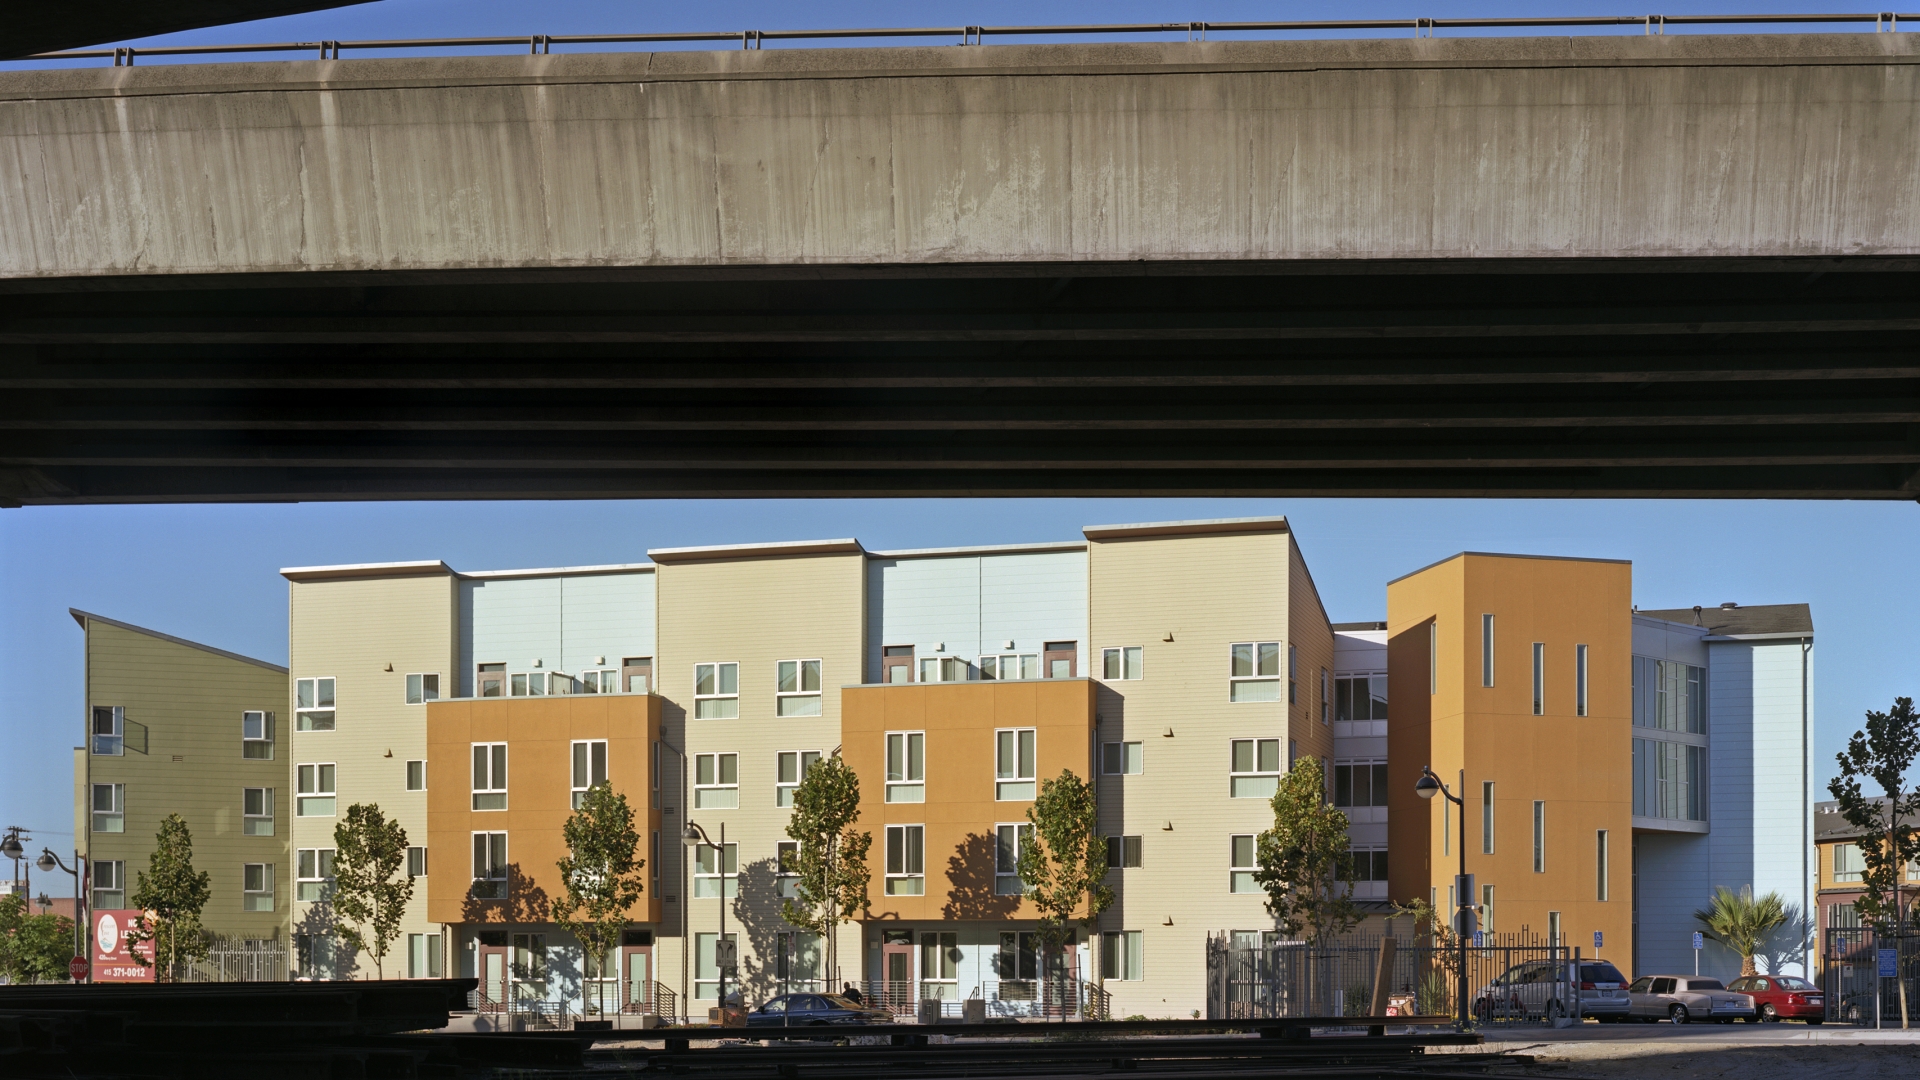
1685, 998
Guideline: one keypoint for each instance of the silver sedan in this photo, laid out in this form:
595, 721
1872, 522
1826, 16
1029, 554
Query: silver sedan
1684, 998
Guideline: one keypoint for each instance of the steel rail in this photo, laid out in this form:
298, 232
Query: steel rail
1888, 21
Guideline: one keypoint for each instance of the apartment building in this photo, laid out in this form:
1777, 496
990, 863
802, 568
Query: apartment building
1842, 877
174, 726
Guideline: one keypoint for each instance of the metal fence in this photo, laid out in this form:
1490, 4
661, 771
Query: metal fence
1511, 978
237, 959
1855, 991
1017, 999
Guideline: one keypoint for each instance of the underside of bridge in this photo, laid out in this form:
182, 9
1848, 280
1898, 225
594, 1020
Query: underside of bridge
40, 27
1619, 378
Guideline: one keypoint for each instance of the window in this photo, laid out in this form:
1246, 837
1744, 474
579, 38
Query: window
1254, 671
716, 868
256, 886
423, 956
109, 730
527, 684
706, 965
416, 776
944, 669
1019, 959
1446, 825
1579, 680
416, 862
527, 967
1433, 657
1254, 768
1670, 696
1486, 908
109, 808
1486, 650
1123, 956
1367, 864
654, 774
490, 776
1360, 697
1244, 865
1486, 818
1600, 891
489, 866
1669, 780
1008, 840
906, 766
797, 960
109, 884
1539, 837
789, 768
313, 704
1121, 664
492, 679
1539, 678
1293, 675
256, 811
1057, 658
716, 691
589, 768
1013, 764
896, 664
1122, 759
906, 860
1010, 666
256, 735
797, 688
312, 874
716, 781
638, 673
1847, 864
1359, 783
1553, 928
940, 957
1325, 704
786, 867
422, 688
1123, 853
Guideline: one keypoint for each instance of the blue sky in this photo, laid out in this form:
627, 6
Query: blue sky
208, 572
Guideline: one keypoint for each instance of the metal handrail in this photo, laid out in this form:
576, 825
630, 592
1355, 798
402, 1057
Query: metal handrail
973, 35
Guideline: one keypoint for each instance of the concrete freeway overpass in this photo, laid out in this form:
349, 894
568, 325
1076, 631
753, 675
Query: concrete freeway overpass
1684, 265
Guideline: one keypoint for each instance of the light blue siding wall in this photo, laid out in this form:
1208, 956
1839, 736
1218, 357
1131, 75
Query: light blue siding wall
973, 604
1672, 881
1781, 833
563, 621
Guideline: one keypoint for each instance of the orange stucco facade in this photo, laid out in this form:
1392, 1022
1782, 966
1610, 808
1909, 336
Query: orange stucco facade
960, 812
539, 733
1578, 768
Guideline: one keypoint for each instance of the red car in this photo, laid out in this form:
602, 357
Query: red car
1783, 997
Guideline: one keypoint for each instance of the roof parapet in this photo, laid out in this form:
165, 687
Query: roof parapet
423, 568
1186, 528
847, 546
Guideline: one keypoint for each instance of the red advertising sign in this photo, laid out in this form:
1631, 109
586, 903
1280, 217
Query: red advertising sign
113, 960
77, 968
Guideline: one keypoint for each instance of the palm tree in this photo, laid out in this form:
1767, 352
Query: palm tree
1741, 922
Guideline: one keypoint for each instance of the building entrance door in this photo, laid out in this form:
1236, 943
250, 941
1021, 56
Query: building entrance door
491, 970
636, 969
896, 968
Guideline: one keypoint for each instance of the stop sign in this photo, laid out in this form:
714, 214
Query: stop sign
77, 967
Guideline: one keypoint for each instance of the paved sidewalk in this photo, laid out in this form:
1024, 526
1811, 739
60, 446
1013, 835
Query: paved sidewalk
1716, 1051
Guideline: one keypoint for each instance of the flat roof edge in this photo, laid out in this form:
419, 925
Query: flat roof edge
1195, 527
1505, 555
983, 549
560, 571
82, 617
848, 545
419, 568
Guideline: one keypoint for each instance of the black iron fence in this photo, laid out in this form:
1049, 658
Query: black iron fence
1856, 991
1511, 978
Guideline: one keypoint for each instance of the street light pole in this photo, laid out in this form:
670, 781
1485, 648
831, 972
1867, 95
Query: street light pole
49, 862
694, 835
1427, 787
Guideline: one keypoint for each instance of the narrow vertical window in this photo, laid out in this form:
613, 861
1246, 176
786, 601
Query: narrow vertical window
1293, 675
1446, 827
1580, 680
1553, 928
1326, 706
417, 775
1600, 864
1486, 650
1486, 908
1486, 818
1433, 657
1539, 677
1539, 837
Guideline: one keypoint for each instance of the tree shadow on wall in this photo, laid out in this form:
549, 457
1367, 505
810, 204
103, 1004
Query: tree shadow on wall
526, 902
318, 952
970, 876
760, 923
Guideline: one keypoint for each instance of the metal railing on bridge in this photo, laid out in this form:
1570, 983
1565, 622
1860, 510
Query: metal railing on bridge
1888, 21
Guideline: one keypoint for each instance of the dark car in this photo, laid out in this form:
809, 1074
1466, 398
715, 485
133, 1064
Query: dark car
1783, 997
814, 1010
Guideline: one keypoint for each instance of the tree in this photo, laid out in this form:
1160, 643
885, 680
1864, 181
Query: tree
171, 894
1883, 753
599, 877
831, 862
369, 851
1742, 922
33, 948
1063, 864
1303, 861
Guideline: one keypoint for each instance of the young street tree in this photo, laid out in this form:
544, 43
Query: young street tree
33, 948
1303, 861
1883, 753
1063, 864
1742, 922
172, 894
831, 862
369, 852
600, 878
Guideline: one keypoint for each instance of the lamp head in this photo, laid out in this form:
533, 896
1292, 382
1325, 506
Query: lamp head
692, 835
10, 847
1427, 786
47, 862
